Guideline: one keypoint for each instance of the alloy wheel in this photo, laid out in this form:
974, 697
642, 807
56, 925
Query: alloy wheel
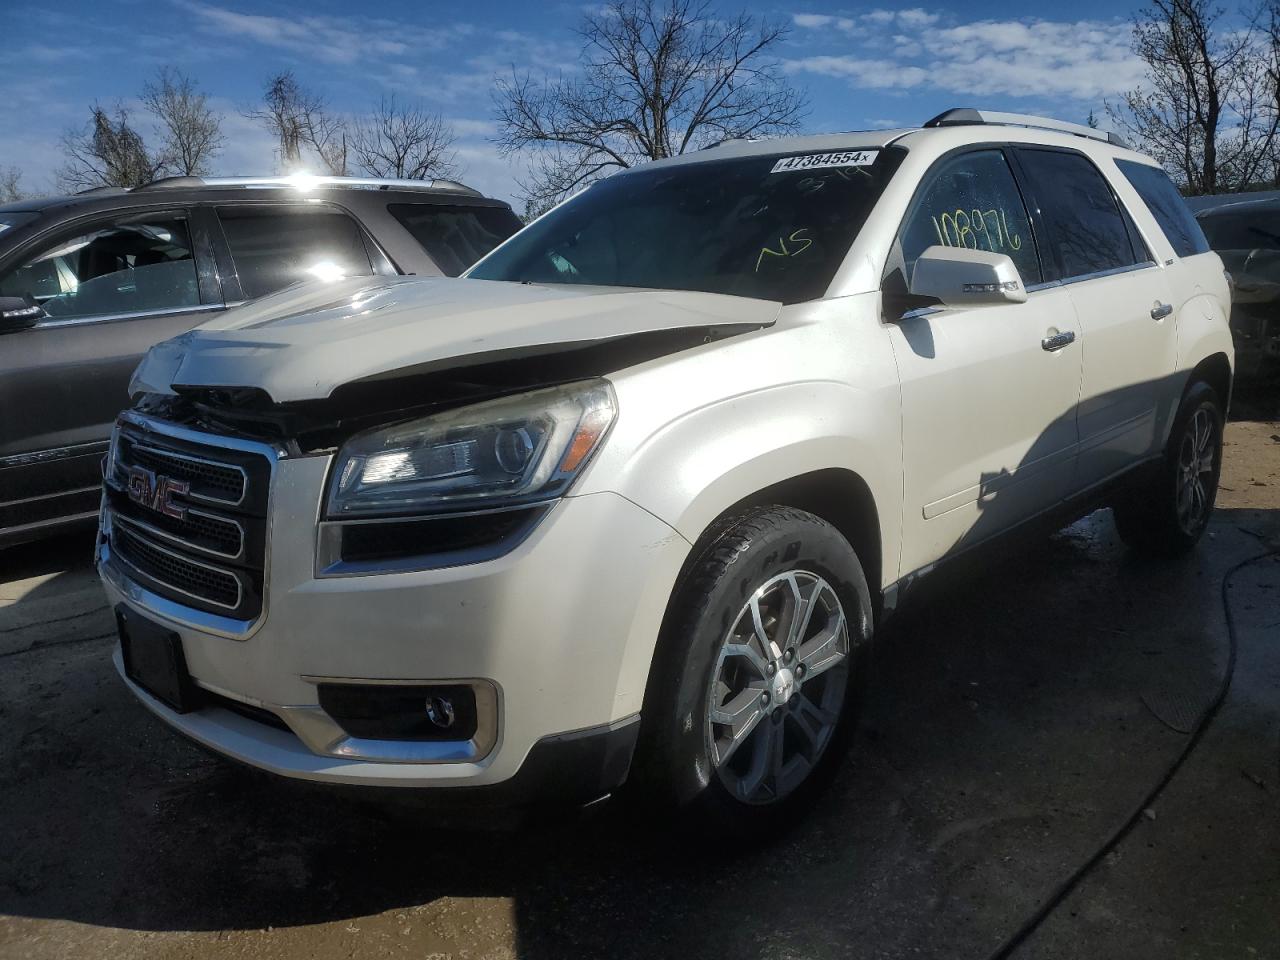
1195, 474
778, 687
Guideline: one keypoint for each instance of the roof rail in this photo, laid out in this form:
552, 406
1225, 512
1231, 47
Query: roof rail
307, 181
164, 182
967, 116
105, 189
720, 143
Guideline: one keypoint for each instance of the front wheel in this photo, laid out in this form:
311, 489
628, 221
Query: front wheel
758, 669
1170, 515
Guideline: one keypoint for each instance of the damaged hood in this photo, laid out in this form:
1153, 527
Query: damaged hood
302, 343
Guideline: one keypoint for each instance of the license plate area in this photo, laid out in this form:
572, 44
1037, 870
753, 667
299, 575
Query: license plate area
153, 659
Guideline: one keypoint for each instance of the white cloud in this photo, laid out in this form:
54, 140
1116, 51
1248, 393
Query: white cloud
915, 17
477, 129
863, 72
342, 40
821, 21
1084, 60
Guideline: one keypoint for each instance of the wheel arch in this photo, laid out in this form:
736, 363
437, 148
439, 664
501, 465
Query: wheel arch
838, 495
1214, 370
843, 499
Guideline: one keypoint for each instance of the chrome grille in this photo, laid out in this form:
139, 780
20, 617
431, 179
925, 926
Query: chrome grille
187, 517
192, 579
220, 482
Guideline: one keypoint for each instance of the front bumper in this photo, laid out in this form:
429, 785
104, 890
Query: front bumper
561, 630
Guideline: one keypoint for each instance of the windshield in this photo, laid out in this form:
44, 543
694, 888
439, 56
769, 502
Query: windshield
774, 227
15, 218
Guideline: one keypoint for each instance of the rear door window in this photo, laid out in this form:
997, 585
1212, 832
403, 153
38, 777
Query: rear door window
972, 201
136, 265
275, 245
455, 236
1087, 232
1167, 206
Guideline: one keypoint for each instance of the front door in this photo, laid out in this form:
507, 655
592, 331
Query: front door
988, 399
111, 289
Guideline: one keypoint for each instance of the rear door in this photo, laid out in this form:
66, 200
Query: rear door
988, 410
112, 286
1123, 304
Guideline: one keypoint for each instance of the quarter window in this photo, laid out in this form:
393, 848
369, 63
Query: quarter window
275, 246
1085, 228
454, 236
972, 201
1167, 206
126, 267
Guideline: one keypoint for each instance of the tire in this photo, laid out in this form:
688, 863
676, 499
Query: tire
703, 746
1168, 516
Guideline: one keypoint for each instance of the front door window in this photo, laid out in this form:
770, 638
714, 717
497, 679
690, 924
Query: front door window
139, 265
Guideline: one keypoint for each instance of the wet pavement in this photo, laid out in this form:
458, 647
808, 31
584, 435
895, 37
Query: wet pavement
1019, 710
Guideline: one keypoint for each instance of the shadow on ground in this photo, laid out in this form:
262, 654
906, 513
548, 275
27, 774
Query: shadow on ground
1017, 713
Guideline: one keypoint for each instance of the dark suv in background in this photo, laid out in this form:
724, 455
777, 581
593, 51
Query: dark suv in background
89, 282
1245, 232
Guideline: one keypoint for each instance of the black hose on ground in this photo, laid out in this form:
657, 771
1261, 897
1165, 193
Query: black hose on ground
1064, 889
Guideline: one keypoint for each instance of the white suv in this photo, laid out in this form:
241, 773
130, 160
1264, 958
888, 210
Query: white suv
633, 495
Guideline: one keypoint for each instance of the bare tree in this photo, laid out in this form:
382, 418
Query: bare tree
192, 131
299, 119
1204, 115
109, 153
659, 77
11, 185
403, 142
1267, 21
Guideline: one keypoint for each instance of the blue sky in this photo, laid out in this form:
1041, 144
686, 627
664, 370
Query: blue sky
874, 65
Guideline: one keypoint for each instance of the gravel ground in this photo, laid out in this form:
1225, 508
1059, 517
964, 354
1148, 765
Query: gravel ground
1018, 712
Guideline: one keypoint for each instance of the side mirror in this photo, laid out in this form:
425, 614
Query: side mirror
960, 277
19, 313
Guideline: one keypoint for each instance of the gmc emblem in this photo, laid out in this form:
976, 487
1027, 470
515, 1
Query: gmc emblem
157, 492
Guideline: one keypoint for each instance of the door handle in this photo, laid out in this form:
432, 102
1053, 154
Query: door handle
1161, 310
1058, 340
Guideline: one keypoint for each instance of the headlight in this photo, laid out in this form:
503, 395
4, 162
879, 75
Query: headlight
512, 450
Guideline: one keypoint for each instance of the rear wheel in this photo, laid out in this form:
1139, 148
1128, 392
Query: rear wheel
759, 668
1171, 514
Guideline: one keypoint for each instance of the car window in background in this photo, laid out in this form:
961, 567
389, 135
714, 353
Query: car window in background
1243, 229
972, 201
455, 237
774, 227
1085, 226
133, 266
1167, 206
274, 246
15, 218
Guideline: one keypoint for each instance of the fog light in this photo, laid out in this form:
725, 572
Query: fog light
440, 712
384, 711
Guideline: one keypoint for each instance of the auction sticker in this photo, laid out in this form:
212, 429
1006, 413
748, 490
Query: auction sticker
815, 161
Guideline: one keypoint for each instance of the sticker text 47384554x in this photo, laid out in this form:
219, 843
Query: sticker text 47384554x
812, 161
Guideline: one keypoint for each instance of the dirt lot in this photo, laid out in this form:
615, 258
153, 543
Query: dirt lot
1018, 713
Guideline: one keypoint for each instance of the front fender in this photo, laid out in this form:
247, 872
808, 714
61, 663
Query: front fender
693, 469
